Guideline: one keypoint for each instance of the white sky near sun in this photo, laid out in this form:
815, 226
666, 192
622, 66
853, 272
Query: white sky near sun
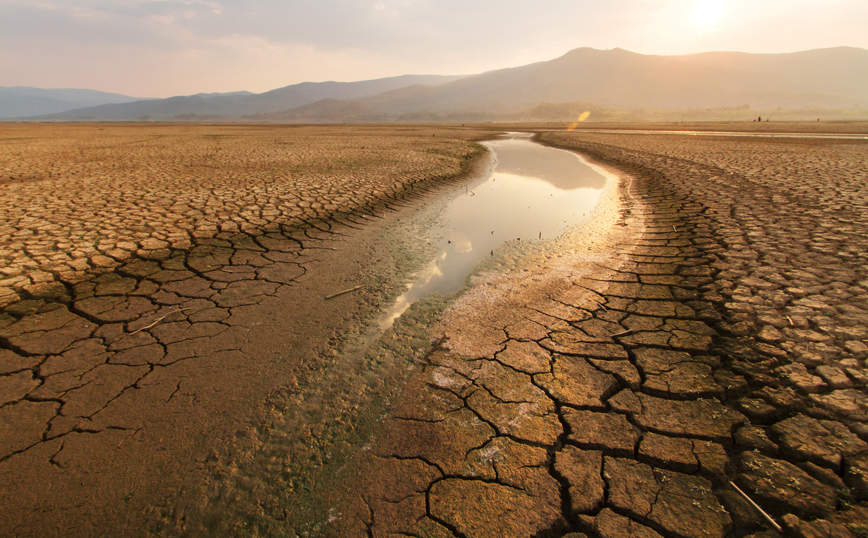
158, 48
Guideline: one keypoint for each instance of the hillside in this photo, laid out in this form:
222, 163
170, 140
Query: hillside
235, 106
622, 79
616, 82
24, 101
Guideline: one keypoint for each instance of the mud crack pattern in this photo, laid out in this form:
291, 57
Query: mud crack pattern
136, 263
720, 336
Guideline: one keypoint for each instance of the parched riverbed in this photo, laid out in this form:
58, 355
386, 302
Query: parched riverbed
324, 432
702, 326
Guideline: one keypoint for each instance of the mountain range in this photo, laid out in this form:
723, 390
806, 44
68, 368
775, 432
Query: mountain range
599, 80
24, 101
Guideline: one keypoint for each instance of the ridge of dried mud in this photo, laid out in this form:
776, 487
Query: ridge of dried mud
707, 324
616, 385
159, 282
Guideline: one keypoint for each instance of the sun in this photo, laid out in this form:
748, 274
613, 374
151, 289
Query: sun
706, 13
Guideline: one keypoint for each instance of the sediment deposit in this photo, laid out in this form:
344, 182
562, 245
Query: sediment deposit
716, 332
707, 325
151, 301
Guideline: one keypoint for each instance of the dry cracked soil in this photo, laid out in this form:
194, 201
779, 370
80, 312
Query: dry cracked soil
169, 365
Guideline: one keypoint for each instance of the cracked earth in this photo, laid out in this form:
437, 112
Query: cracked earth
708, 325
149, 292
714, 332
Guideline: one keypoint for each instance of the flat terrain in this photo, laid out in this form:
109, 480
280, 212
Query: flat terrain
150, 298
708, 325
615, 384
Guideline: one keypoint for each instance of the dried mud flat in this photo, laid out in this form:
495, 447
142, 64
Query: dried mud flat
708, 325
151, 299
709, 328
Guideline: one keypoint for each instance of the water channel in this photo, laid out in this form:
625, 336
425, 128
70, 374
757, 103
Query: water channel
532, 193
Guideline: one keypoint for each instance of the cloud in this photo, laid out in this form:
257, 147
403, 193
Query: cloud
262, 44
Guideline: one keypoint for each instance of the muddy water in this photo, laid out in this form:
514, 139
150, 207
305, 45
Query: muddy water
533, 192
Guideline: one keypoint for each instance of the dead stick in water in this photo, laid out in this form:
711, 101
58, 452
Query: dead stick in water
755, 505
341, 292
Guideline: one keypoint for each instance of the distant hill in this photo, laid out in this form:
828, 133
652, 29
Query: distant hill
238, 105
23, 101
614, 83
621, 79
326, 111
226, 94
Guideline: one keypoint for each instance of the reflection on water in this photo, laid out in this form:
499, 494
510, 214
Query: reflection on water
533, 192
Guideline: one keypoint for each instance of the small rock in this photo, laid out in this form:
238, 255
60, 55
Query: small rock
755, 438
765, 534
624, 371
858, 375
784, 399
860, 429
675, 374
819, 528
810, 359
856, 474
485, 509
823, 474
671, 452
848, 402
781, 487
732, 383
798, 376
823, 442
713, 461
703, 418
770, 334
757, 410
856, 347
680, 504
745, 518
576, 382
835, 377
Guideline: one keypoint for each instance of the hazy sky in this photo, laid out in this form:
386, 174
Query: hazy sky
158, 48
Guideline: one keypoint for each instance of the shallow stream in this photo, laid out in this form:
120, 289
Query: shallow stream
303, 449
532, 192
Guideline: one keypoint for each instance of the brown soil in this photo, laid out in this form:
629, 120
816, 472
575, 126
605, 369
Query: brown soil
615, 383
161, 282
706, 326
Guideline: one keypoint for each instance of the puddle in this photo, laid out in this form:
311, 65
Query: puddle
532, 193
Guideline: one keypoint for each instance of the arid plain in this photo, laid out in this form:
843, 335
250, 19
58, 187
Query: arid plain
169, 362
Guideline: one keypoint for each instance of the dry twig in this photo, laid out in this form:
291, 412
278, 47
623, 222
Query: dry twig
159, 320
341, 292
760, 510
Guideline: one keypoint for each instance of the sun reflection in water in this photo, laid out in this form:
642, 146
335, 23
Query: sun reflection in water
534, 192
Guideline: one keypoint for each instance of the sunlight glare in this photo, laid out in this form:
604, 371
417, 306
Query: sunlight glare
582, 117
706, 13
